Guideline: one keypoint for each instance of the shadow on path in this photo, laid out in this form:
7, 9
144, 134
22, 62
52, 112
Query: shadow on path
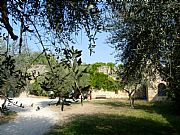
26, 126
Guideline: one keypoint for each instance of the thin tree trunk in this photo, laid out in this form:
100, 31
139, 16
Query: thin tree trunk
4, 105
1, 111
81, 100
59, 101
131, 100
62, 106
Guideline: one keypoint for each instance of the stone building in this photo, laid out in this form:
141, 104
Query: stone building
104, 69
155, 90
109, 94
36, 70
108, 71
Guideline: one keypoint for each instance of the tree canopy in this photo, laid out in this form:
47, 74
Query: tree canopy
58, 19
146, 37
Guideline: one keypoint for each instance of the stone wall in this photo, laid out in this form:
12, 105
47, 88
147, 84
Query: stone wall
153, 87
109, 94
37, 69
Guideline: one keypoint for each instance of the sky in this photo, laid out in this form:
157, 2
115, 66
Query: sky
103, 52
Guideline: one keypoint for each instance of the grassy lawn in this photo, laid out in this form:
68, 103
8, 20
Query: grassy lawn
7, 116
119, 119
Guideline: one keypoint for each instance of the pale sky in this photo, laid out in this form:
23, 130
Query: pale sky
103, 52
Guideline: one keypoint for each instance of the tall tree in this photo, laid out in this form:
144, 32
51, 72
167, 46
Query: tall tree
146, 38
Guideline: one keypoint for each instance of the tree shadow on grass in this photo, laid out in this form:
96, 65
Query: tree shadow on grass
104, 124
166, 109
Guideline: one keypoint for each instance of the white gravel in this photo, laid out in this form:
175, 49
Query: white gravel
31, 121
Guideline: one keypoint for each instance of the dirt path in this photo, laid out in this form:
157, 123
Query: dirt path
31, 121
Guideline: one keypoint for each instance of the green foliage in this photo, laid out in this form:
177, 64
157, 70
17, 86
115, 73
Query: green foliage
7, 116
72, 58
147, 40
100, 80
94, 67
120, 66
111, 65
68, 75
38, 58
57, 81
35, 88
25, 60
22, 61
11, 80
84, 79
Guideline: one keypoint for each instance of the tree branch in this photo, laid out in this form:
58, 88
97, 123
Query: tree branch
41, 42
5, 19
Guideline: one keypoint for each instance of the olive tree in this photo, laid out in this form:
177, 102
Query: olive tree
64, 80
12, 80
145, 35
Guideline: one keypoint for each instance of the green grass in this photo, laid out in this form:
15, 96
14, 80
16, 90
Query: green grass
7, 116
119, 119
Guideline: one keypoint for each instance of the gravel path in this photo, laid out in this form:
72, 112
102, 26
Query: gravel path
31, 121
